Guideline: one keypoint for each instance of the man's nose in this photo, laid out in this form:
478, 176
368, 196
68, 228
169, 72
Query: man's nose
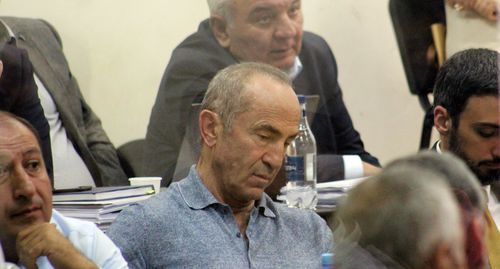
274, 156
22, 184
286, 28
496, 151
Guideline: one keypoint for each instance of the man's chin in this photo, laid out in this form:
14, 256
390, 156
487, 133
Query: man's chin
488, 177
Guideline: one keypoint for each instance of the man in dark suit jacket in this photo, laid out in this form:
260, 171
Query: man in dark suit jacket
18, 92
80, 124
264, 32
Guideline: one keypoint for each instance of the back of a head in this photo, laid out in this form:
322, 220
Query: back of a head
472, 72
219, 7
401, 218
455, 172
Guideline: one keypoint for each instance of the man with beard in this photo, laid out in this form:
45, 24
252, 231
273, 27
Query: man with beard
467, 117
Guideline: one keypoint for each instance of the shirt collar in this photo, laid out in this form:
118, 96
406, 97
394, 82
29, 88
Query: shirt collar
438, 147
194, 192
197, 196
295, 70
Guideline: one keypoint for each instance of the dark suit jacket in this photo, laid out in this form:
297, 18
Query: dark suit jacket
196, 61
19, 96
82, 125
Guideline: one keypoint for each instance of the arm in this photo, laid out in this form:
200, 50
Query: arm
347, 141
18, 95
340, 147
128, 233
181, 86
90, 128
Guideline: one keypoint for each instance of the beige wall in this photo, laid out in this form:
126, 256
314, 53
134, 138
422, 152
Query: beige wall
118, 50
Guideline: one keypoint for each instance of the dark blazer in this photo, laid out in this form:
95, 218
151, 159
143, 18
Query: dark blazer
82, 125
19, 96
196, 61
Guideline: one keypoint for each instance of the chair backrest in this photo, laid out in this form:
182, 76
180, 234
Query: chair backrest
131, 155
412, 20
190, 147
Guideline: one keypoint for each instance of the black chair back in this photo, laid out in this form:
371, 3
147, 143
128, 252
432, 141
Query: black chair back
412, 20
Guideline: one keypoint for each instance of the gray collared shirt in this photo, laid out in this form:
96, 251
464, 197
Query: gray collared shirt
186, 227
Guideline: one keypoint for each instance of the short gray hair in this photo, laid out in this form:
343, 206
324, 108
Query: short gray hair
402, 217
226, 92
454, 171
220, 7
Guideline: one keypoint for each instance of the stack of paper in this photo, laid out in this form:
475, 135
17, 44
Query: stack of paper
100, 205
330, 193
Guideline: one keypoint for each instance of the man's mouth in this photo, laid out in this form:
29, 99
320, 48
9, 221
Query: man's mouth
26, 213
490, 164
282, 51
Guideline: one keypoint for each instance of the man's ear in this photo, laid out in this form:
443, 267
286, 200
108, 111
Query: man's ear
210, 127
442, 120
219, 26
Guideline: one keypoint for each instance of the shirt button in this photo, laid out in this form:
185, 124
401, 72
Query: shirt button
238, 235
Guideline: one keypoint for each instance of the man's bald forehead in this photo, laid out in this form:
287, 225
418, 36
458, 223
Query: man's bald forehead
9, 120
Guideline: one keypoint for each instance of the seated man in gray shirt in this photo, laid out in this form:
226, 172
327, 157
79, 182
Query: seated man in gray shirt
219, 216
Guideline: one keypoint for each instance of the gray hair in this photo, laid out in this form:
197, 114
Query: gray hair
454, 171
226, 92
402, 217
220, 7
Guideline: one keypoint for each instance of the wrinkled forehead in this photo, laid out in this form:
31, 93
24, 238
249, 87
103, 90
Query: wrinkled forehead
249, 6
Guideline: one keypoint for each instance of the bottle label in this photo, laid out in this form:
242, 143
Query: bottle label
310, 163
294, 168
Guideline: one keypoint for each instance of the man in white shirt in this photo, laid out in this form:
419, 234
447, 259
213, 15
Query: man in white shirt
33, 235
467, 117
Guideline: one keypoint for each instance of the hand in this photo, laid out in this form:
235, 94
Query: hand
45, 240
370, 170
486, 8
1, 68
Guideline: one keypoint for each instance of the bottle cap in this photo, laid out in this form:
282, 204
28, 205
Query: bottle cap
327, 259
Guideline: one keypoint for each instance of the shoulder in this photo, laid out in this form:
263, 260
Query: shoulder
314, 43
198, 53
90, 240
153, 213
295, 221
297, 216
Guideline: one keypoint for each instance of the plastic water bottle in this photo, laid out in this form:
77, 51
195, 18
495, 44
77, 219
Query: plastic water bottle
300, 166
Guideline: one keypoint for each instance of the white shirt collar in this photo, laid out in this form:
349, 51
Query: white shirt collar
295, 70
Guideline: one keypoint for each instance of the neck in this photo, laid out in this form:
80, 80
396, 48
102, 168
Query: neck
242, 216
241, 210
